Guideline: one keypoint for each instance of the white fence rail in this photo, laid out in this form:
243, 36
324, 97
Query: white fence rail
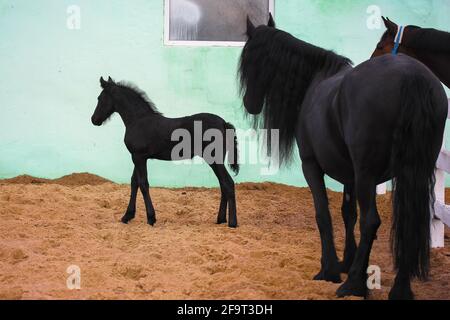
442, 211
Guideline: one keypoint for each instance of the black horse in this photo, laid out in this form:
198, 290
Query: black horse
150, 135
429, 46
361, 126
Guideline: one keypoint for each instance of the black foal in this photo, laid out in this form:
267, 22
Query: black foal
150, 135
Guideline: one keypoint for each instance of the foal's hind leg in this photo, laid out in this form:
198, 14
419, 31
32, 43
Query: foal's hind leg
349, 214
222, 216
229, 191
131, 211
330, 270
356, 284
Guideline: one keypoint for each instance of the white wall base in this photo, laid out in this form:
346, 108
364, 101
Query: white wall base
382, 189
437, 234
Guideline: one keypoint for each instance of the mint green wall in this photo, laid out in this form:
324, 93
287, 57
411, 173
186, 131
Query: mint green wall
49, 78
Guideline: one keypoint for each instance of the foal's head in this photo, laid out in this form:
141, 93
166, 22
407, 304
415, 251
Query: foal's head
105, 106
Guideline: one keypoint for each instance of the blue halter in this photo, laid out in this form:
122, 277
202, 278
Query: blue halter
398, 40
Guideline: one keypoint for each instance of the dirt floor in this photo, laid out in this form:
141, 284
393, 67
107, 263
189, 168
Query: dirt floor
47, 226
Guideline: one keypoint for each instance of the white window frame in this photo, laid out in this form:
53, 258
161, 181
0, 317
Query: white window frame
169, 42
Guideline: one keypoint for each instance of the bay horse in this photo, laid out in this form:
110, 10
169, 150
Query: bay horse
361, 126
150, 135
428, 45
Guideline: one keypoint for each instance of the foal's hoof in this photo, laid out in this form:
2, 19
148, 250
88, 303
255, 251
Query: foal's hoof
151, 221
330, 276
352, 288
233, 225
221, 221
127, 218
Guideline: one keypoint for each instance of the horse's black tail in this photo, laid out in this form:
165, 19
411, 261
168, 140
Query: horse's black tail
413, 166
232, 147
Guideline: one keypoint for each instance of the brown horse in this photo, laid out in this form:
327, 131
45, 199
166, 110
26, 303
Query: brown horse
429, 46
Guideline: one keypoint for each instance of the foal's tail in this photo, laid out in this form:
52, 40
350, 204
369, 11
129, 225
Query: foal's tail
414, 154
232, 147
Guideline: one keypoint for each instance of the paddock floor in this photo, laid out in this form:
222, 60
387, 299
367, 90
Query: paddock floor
47, 226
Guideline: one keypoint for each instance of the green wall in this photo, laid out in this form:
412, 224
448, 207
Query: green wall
49, 78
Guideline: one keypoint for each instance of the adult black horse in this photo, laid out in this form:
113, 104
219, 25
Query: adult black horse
361, 126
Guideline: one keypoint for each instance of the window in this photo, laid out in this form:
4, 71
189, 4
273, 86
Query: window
212, 22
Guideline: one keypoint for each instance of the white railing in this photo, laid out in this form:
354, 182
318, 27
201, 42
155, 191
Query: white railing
442, 211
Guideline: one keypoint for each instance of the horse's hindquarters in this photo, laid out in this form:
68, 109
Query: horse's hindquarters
372, 100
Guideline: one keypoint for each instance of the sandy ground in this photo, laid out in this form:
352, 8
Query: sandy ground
46, 226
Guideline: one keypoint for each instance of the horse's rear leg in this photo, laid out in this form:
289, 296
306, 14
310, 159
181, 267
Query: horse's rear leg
222, 216
349, 214
402, 285
229, 192
330, 270
131, 210
356, 284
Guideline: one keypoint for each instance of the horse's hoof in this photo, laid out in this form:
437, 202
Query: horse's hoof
233, 225
401, 293
127, 218
151, 222
352, 288
330, 276
219, 221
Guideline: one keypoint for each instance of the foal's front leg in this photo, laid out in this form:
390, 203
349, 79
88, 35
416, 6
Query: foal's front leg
131, 210
330, 270
141, 169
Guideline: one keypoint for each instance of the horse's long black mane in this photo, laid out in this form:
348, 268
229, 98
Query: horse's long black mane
136, 96
278, 69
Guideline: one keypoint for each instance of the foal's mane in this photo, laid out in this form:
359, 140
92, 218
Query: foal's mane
278, 69
136, 95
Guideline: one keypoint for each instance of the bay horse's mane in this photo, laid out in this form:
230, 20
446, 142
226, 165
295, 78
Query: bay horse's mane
279, 68
137, 96
428, 39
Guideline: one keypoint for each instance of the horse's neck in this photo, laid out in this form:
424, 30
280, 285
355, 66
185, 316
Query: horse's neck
439, 64
130, 114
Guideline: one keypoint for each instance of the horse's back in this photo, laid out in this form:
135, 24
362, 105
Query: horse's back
208, 120
371, 98
157, 136
375, 85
